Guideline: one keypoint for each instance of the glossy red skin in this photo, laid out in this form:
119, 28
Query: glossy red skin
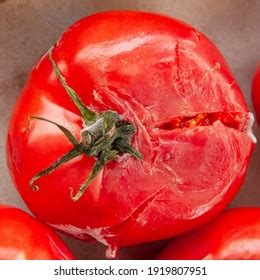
25, 238
233, 235
148, 68
256, 93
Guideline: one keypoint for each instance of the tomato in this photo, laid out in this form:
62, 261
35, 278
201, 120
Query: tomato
25, 238
160, 99
233, 235
256, 93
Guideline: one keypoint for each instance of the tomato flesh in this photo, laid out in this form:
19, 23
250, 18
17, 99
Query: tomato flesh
153, 71
233, 120
23, 237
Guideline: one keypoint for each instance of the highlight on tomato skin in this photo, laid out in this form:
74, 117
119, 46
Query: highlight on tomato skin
25, 238
233, 235
256, 93
162, 100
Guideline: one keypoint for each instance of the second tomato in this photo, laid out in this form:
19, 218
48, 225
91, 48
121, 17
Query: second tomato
22, 237
233, 235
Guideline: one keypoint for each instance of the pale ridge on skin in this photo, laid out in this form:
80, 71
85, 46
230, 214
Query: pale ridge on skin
250, 133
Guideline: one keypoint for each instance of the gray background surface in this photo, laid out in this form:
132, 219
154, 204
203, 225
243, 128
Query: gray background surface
29, 27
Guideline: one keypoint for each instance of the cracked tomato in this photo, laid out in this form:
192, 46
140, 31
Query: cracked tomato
130, 129
256, 93
25, 238
233, 235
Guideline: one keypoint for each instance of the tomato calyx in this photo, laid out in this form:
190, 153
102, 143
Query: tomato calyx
104, 136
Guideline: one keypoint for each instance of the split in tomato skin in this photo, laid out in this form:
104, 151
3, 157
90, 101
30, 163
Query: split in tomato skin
25, 238
150, 69
256, 93
233, 235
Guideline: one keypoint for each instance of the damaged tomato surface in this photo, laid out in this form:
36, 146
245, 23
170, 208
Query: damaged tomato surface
187, 140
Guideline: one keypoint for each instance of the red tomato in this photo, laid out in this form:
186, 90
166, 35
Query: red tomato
23, 237
256, 93
233, 235
187, 116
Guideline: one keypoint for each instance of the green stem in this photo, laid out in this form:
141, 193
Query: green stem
87, 115
125, 147
94, 172
67, 133
68, 156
